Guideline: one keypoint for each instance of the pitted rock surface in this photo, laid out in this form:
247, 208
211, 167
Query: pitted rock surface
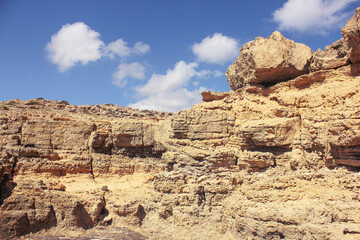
276, 158
99, 233
269, 61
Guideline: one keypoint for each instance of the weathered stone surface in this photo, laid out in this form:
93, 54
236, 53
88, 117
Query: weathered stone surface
268, 61
167, 177
351, 34
55, 134
209, 96
274, 162
202, 125
109, 233
275, 132
334, 56
341, 52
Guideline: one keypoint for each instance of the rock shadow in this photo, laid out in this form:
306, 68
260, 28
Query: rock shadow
6, 188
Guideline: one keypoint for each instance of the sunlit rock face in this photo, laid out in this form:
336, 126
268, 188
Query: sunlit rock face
351, 34
268, 61
278, 157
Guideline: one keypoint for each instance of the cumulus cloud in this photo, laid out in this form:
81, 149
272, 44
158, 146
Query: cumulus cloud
209, 73
120, 48
125, 70
168, 92
72, 44
314, 16
173, 79
141, 48
173, 101
78, 43
216, 49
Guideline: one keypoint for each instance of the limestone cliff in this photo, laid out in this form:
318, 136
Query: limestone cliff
278, 157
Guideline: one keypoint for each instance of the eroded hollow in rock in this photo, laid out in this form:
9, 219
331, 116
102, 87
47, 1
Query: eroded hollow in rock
82, 217
6, 187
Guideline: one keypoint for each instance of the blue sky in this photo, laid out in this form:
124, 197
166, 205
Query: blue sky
157, 54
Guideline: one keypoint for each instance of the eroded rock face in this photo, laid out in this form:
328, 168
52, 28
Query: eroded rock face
209, 96
195, 166
269, 61
351, 34
270, 162
109, 233
334, 56
341, 52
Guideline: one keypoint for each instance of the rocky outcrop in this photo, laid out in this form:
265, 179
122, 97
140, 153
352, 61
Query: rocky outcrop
342, 52
334, 56
352, 36
276, 59
209, 96
269, 61
277, 158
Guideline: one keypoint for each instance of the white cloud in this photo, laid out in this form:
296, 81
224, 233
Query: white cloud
314, 16
173, 79
209, 73
168, 92
216, 49
78, 43
125, 70
72, 44
141, 48
120, 48
172, 101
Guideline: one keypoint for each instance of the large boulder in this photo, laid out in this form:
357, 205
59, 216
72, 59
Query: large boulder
268, 61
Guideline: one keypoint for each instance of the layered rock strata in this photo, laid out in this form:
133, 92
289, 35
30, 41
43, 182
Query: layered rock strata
276, 158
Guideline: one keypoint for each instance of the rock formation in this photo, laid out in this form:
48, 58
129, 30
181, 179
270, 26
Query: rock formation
351, 35
335, 56
269, 61
278, 157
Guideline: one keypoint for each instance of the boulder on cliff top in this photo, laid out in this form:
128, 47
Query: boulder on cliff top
269, 61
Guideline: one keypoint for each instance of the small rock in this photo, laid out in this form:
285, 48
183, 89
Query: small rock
209, 96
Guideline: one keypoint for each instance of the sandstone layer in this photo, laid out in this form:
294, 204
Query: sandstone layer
277, 158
